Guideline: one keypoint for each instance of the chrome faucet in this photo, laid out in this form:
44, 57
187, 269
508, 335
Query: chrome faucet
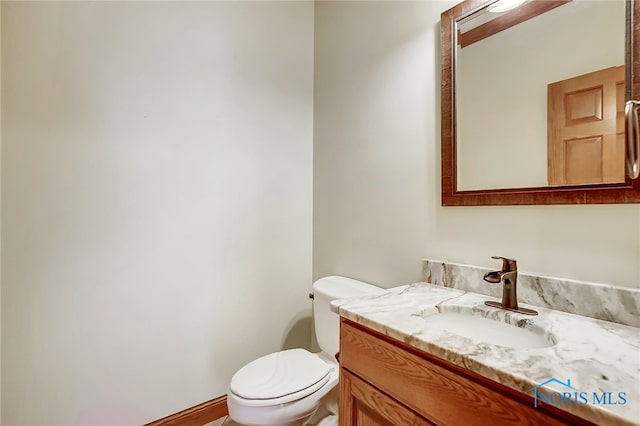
508, 276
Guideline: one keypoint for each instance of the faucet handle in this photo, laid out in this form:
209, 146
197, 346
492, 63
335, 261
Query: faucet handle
508, 265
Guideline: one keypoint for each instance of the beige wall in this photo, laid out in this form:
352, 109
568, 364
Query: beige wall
377, 210
157, 195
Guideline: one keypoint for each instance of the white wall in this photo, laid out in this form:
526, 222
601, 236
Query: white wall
377, 210
157, 196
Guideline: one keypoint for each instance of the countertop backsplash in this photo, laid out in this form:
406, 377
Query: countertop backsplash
601, 301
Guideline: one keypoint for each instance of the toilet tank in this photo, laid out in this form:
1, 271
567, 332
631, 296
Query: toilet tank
327, 323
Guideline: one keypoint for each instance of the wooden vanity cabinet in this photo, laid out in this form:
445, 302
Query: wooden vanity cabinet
386, 382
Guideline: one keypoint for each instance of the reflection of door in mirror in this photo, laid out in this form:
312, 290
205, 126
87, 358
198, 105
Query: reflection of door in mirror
585, 129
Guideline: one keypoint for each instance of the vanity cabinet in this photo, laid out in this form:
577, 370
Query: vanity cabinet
386, 382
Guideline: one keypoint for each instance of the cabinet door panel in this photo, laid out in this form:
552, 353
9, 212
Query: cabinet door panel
364, 405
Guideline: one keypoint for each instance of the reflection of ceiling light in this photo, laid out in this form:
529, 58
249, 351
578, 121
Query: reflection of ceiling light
504, 5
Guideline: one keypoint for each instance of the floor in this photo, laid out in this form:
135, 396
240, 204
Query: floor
218, 422
225, 421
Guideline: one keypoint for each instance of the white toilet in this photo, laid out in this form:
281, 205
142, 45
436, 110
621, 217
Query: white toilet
285, 388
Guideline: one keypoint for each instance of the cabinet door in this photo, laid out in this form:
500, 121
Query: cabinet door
363, 405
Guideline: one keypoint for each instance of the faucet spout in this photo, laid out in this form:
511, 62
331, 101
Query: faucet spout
494, 277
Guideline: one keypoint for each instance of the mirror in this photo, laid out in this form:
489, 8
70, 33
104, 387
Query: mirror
520, 105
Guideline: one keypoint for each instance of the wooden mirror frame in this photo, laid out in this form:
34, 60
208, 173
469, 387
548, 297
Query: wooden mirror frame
619, 193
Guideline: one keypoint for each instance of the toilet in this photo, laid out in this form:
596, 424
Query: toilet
286, 387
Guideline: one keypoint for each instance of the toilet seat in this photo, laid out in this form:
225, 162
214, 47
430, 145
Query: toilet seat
280, 377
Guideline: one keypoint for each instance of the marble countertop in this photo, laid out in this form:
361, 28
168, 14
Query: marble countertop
596, 356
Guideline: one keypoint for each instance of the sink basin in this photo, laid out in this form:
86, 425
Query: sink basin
483, 330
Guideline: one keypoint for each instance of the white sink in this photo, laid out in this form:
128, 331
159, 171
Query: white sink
483, 330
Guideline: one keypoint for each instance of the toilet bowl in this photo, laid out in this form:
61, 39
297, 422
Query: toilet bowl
288, 387
276, 395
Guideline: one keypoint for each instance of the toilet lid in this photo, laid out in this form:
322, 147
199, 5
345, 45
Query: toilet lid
280, 374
